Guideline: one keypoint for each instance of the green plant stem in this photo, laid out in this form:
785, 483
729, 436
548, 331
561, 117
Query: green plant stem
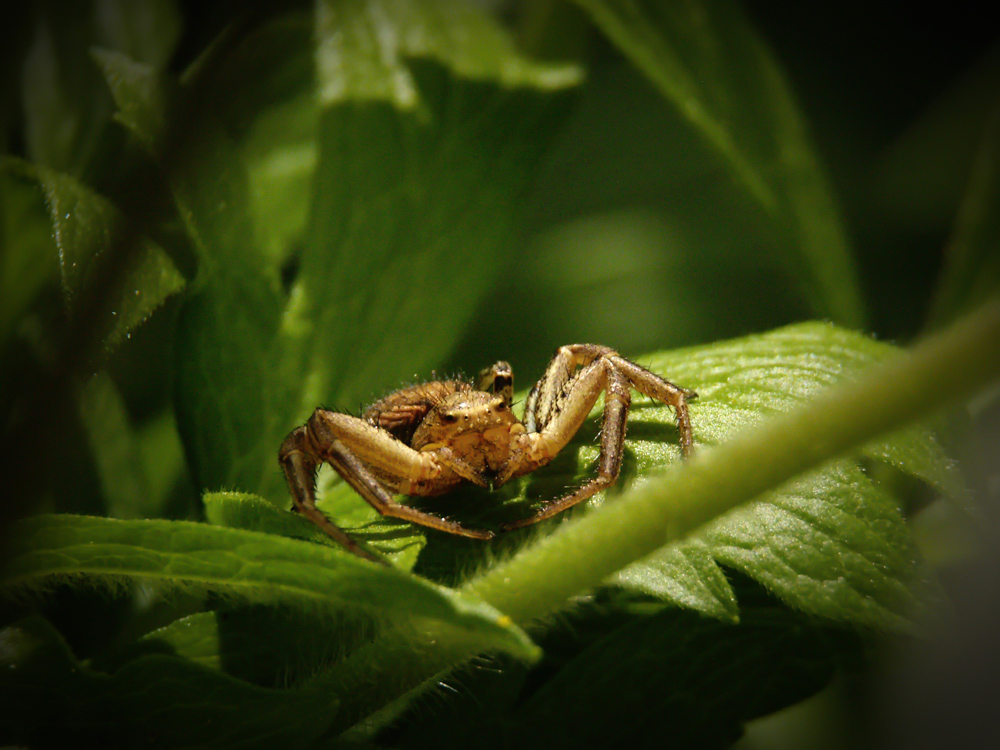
942, 370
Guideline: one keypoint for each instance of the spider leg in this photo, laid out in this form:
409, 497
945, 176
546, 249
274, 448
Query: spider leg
566, 417
548, 397
368, 459
563, 398
447, 457
652, 385
300, 464
356, 474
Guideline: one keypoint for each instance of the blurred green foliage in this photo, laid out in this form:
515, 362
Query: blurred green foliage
213, 220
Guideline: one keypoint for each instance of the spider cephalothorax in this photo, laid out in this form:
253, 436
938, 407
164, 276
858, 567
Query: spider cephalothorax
428, 438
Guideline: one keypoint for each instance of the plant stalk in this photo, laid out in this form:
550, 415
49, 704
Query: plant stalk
939, 372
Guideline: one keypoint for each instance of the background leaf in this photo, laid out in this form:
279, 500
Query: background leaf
99, 254
704, 678
91, 236
364, 46
230, 395
65, 104
154, 701
972, 271
29, 257
412, 202
376, 243
707, 59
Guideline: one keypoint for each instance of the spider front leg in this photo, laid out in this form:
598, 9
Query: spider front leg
563, 398
369, 460
299, 461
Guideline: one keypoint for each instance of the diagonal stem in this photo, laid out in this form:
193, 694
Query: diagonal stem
941, 371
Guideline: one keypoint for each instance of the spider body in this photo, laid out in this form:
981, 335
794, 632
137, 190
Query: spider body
426, 439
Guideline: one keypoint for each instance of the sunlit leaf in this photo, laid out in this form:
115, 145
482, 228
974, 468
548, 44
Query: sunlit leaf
247, 565
364, 46
834, 543
400, 542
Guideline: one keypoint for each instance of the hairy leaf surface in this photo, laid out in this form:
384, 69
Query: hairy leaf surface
833, 543
249, 565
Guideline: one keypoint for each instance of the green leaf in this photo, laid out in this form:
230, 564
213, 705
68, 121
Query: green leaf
264, 91
250, 566
400, 542
28, 260
116, 451
364, 47
146, 31
244, 75
707, 59
886, 397
686, 575
280, 150
200, 162
841, 552
697, 681
51, 699
263, 645
832, 543
89, 233
232, 402
972, 263
195, 638
118, 276
66, 106
918, 180
398, 196
138, 466
415, 207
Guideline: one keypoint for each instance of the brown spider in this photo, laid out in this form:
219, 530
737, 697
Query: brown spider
428, 438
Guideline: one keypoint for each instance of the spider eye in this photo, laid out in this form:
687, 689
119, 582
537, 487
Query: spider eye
501, 407
449, 418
